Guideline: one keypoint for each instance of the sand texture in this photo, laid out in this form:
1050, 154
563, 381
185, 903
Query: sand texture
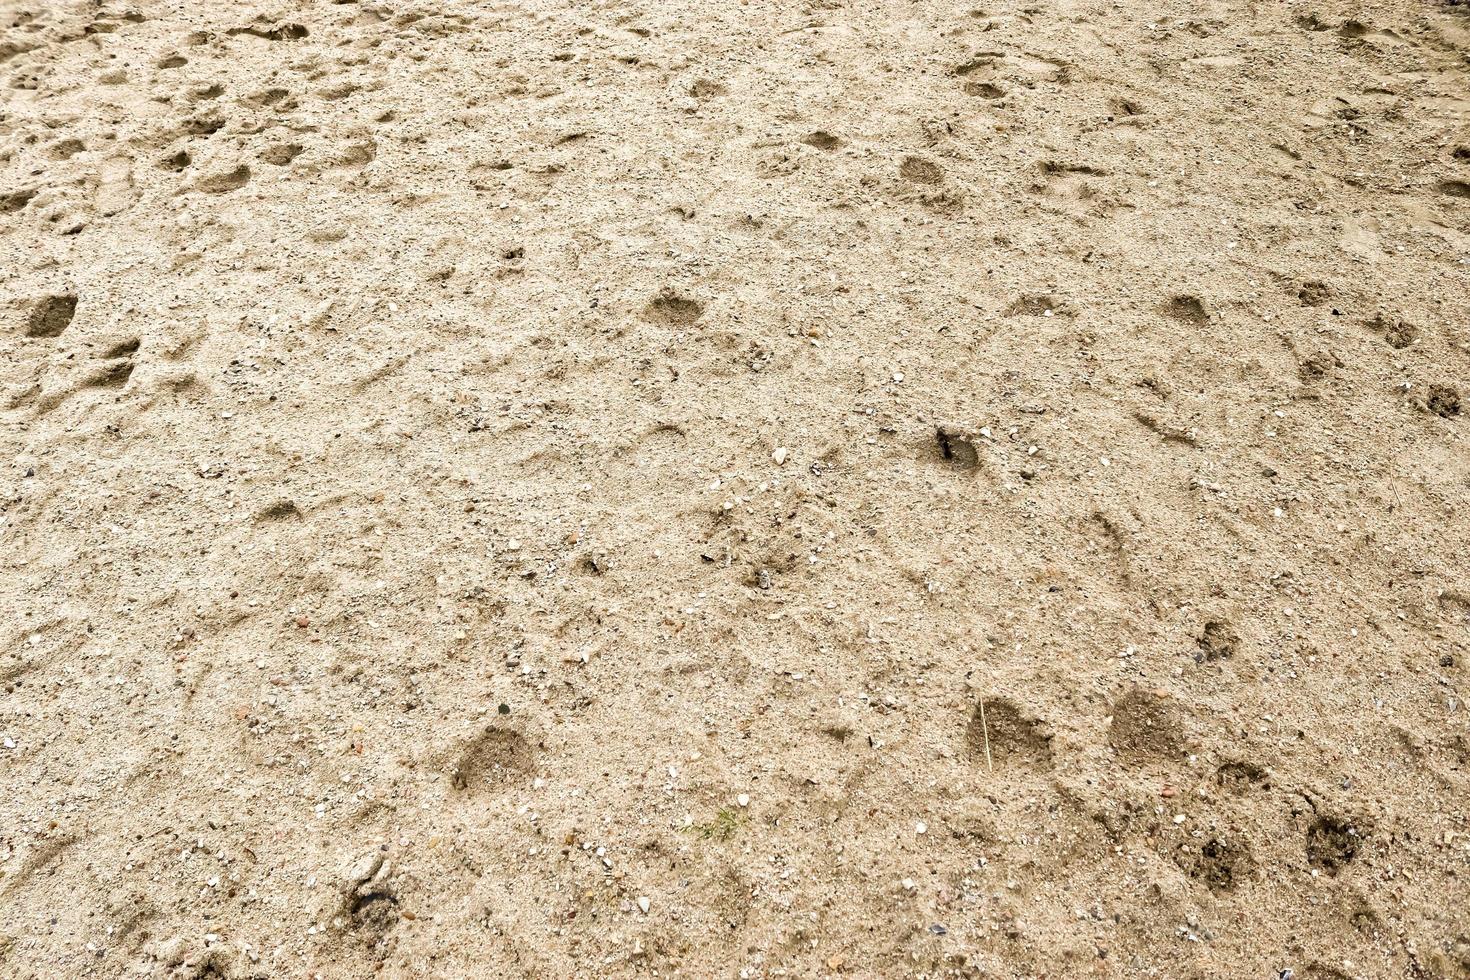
718, 489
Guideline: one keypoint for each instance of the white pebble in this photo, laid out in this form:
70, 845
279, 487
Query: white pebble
643, 904
779, 455
742, 800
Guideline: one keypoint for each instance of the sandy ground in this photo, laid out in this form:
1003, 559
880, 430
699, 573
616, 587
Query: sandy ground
730, 489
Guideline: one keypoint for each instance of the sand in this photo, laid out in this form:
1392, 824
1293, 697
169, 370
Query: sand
716, 489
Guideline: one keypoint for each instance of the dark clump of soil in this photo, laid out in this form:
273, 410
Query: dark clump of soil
1332, 844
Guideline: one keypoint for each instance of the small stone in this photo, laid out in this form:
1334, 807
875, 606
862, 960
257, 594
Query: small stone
513, 545
643, 904
742, 800
779, 455
921, 827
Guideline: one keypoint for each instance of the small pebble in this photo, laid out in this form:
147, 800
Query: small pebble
779, 455
742, 800
643, 904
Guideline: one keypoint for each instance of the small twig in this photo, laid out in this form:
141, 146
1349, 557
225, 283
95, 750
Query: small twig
985, 730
